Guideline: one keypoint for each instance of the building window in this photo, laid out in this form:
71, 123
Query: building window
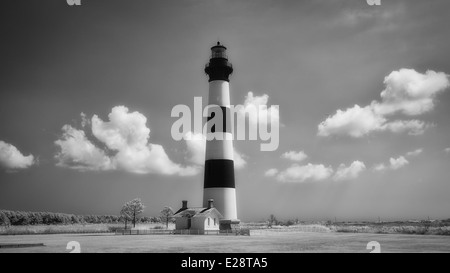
209, 221
214, 221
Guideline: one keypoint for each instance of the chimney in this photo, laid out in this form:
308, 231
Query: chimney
210, 203
184, 204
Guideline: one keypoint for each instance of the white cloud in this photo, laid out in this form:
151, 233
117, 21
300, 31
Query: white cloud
295, 156
351, 172
265, 115
124, 130
415, 153
196, 146
407, 92
447, 150
77, 152
84, 120
12, 159
413, 127
271, 172
239, 161
380, 167
150, 159
397, 163
410, 92
355, 122
126, 135
297, 173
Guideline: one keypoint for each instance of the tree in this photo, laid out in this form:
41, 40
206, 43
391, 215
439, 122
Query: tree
4, 220
35, 218
166, 215
74, 219
272, 221
131, 210
124, 215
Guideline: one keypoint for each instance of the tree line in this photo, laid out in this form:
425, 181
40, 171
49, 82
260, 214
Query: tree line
130, 212
24, 218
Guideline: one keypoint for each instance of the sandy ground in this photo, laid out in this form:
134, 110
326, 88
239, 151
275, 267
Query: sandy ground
269, 242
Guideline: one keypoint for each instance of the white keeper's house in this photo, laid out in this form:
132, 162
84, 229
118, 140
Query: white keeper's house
197, 220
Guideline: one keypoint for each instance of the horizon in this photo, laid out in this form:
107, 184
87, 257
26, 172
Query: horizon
378, 220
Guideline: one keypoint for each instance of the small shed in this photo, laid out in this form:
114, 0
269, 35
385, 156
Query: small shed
198, 219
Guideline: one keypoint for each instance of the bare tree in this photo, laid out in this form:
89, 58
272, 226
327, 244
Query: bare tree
131, 210
125, 216
272, 221
166, 215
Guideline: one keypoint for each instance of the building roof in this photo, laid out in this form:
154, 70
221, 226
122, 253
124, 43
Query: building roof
197, 212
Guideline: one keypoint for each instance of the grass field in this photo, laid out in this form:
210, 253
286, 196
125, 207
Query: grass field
262, 242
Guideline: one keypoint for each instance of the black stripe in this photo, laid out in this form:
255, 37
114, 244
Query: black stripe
218, 69
226, 122
219, 173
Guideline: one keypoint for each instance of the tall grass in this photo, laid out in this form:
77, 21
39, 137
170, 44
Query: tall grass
76, 228
380, 229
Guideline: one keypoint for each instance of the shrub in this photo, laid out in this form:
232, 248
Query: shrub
4, 220
114, 228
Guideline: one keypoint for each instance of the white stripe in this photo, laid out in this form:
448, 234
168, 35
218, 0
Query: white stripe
224, 201
220, 149
219, 93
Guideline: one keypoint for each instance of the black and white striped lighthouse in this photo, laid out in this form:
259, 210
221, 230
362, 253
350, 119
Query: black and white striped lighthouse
219, 183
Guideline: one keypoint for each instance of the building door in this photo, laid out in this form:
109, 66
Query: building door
189, 223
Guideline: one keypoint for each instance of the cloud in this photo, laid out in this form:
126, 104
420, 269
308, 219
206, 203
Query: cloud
411, 93
295, 156
196, 147
407, 92
397, 163
351, 172
84, 120
151, 159
12, 159
355, 122
358, 122
124, 130
412, 127
414, 153
265, 115
77, 152
297, 173
126, 136
239, 161
394, 164
271, 172
447, 150
380, 167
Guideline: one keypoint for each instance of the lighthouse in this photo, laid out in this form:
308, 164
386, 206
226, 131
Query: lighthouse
219, 182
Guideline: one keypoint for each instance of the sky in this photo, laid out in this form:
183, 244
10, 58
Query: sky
363, 94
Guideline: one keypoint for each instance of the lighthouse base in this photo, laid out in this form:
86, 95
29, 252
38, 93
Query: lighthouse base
229, 224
